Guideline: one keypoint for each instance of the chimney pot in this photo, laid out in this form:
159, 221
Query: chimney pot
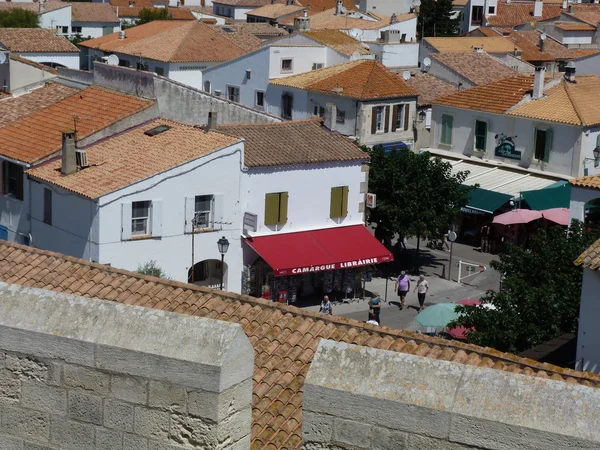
538, 82
68, 153
212, 120
570, 72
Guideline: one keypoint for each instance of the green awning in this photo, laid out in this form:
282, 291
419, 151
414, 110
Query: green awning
554, 196
484, 201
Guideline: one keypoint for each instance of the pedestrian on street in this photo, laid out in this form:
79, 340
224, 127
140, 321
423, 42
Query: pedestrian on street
485, 230
375, 306
421, 288
402, 287
326, 306
372, 319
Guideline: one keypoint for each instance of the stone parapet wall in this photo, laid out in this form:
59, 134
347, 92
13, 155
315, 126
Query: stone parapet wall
87, 374
362, 398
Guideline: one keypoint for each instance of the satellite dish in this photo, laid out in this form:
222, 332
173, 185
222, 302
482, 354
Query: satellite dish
427, 62
355, 55
2, 57
543, 36
406, 75
113, 60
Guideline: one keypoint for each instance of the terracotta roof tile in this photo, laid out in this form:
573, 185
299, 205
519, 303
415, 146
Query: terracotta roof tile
322, 5
496, 97
172, 41
339, 41
591, 257
529, 43
15, 108
93, 12
575, 26
495, 44
275, 10
35, 40
519, 13
136, 3
361, 79
134, 12
38, 135
479, 68
328, 20
583, 52
49, 5
285, 143
429, 87
277, 396
586, 12
245, 3
255, 29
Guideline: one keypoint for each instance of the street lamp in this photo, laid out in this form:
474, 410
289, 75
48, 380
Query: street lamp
223, 245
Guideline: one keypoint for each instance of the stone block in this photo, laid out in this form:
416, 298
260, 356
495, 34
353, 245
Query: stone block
235, 427
34, 446
317, 427
85, 407
71, 435
418, 442
108, 439
193, 431
351, 433
26, 423
242, 444
151, 423
10, 387
129, 389
2, 360
134, 442
384, 439
118, 415
167, 396
38, 395
55, 370
88, 379
214, 406
157, 445
10, 443
27, 367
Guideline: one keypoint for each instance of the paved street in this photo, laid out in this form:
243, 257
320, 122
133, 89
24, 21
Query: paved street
434, 264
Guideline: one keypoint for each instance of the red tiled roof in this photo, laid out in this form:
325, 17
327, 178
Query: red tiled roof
285, 338
519, 13
529, 43
429, 87
35, 40
591, 257
93, 12
479, 68
174, 13
49, 5
38, 135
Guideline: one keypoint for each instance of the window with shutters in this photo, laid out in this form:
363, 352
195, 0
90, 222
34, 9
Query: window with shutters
542, 144
287, 104
140, 218
399, 109
380, 119
13, 180
233, 93
480, 135
48, 206
446, 136
203, 212
260, 99
339, 202
276, 207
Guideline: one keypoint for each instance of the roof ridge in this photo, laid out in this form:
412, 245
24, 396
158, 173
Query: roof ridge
287, 122
192, 24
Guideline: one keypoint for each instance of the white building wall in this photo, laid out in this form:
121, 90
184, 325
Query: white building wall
385, 7
56, 18
188, 73
95, 29
218, 174
309, 189
579, 197
199, 15
588, 65
70, 60
14, 213
235, 12
588, 334
408, 27
300, 105
303, 59
396, 55
347, 105
365, 135
577, 38
566, 142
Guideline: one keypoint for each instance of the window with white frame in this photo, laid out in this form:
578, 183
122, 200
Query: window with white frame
286, 65
233, 93
76, 30
379, 118
203, 212
140, 218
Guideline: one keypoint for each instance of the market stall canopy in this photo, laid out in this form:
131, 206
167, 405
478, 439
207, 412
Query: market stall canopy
484, 201
517, 216
557, 195
557, 215
319, 250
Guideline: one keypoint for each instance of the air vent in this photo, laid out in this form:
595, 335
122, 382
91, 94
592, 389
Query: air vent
157, 130
81, 159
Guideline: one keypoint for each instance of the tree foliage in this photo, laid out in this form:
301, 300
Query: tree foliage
435, 19
18, 18
148, 15
416, 194
78, 38
152, 268
540, 293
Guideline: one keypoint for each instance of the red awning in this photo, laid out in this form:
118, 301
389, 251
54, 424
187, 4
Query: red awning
317, 250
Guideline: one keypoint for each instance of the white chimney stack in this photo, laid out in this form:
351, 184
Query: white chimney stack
339, 8
538, 8
538, 82
330, 118
68, 153
122, 34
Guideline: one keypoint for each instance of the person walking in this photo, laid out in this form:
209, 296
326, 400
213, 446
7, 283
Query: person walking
375, 306
326, 306
485, 230
402, 287
421, 288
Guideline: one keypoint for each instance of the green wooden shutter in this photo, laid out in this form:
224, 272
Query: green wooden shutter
548, 145
283, 207
335, 205
344, 201
446, 137
271, 209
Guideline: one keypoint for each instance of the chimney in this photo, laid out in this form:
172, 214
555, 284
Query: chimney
339, 8
42, 6
538, 8
542, 41
330, 119
122, 34
302, 23
570, 72
68, 153
538, 82
212, 120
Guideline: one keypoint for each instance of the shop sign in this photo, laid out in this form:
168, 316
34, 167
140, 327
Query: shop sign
371, 200
250, 221
334, 266
477, 212
505, 147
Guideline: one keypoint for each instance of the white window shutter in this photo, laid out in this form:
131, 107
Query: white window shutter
190, 209
156, 224
125, 221
218, 211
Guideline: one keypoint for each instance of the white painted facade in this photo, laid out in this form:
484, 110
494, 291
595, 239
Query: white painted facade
57, 19
396, 55
570, 144
385, 7
235, 12
588, 65
406, 27
70, 60
588, 333
472, 16
94, 29
200, 15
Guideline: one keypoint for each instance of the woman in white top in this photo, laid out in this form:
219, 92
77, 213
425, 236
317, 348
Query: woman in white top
421, 288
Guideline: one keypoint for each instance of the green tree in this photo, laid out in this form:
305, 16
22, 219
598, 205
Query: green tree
540, 293
148, 15
19, 18
435, 19
152, 268
416, 194
77, 38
